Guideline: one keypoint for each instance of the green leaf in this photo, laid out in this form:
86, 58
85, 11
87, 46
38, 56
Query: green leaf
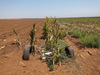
14, 31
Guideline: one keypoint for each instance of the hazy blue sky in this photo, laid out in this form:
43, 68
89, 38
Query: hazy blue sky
43, 8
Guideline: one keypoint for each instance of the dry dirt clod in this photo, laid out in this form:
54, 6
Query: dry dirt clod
34, 70
22, 64
14, 39
81, 56
4, 40
5, 56
24, 71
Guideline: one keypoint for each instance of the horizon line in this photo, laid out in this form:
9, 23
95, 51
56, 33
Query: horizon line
56, 17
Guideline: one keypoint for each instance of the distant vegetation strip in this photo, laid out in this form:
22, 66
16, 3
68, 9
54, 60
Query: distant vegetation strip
86, 29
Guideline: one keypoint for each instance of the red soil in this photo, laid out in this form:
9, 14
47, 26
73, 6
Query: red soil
11, 62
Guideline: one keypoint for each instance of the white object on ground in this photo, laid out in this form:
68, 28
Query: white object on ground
2, 47
48, 53
42, 53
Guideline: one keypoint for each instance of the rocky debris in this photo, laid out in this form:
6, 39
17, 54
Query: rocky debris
89, 52
81, 56
14, 39
3, 47
6, 56
42, 58
4, 40
22, 64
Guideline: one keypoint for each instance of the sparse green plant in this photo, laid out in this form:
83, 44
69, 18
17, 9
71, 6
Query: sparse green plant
45, 30
32, 35
50, 64
70, 32
32, 39
90, 41
79, 34
17, 39
3, 53
63, 34
52, 43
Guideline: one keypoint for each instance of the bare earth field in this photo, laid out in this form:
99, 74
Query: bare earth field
11, 62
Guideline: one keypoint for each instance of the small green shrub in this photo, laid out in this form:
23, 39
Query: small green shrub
70, 32
79, 34
45, 30
62, 35
90, 41
63, 55
32, 35
66, 24
50, 64
18, 40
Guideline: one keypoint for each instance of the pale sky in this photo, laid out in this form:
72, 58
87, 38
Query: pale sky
43, 8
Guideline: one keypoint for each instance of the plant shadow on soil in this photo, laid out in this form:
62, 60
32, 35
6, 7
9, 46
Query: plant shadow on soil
77, 43
13, 44
42, 38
